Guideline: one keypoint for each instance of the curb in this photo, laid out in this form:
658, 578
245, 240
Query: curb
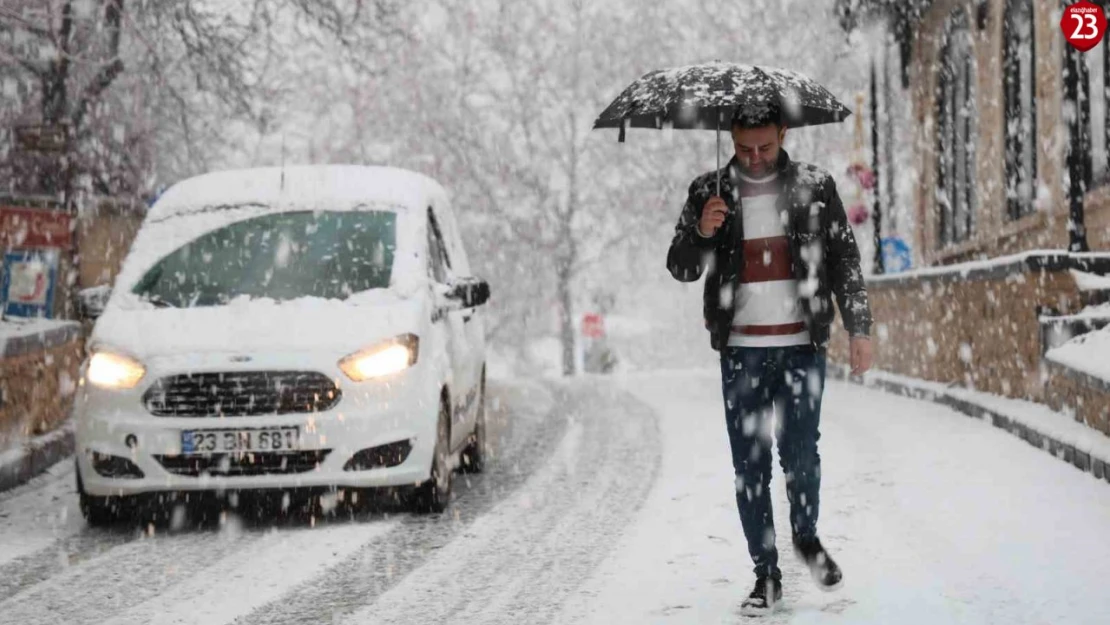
1066, 452
36, 456
23, 344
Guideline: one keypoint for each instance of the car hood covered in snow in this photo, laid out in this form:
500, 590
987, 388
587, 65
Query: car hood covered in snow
260, 326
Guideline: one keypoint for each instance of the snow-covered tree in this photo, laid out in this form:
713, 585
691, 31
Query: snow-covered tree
143, 90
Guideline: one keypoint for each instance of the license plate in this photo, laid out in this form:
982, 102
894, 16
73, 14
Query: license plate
252, 440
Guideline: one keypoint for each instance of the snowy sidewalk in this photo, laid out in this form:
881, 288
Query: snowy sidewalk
936, 518
1037, 424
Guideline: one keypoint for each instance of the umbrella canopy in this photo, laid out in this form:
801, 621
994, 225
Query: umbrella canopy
705, 96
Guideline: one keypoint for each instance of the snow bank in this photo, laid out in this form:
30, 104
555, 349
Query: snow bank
17, 336
1037, 417
12, 328
1101, 311
25, 458
1090, 281
1088, 353
963, 270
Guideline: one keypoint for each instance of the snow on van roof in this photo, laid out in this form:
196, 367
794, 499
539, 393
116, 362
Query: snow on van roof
198, 205
307, 186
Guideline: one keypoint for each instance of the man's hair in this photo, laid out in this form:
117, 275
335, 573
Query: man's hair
757, 115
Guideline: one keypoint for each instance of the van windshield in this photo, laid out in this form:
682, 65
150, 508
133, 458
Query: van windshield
283, 256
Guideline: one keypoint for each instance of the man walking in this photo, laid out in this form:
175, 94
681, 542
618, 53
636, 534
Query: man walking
776, 247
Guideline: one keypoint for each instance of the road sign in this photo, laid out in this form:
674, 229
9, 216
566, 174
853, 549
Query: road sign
593, 326
897, 256
34, 227
29, 277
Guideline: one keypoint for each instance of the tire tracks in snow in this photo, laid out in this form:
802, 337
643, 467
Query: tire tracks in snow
122, 576
42, 532
528, 418
35, 568
253, 577
88, 575
522, 560
41, 529
95, 574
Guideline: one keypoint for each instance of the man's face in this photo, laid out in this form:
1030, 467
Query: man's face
757, 149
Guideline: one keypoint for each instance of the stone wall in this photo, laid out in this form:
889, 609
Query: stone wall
1085, 397
975, 325
38, 378
1096, 215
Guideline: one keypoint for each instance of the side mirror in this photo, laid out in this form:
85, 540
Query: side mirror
471, 292
92, 301
461, 294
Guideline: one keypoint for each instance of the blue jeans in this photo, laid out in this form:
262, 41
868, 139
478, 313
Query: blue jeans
757, 382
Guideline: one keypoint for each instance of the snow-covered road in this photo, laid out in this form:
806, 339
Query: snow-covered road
609, 501
935, 518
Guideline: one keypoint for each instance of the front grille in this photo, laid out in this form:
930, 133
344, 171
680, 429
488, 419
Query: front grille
264, 463
241, 393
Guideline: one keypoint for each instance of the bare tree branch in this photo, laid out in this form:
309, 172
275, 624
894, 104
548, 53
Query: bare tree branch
36, 70
113, 13
9, 16
65, 32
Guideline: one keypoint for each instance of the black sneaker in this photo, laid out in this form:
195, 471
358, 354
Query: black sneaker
821, 565
765, 596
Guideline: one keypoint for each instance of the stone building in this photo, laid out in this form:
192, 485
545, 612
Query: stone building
1002, 133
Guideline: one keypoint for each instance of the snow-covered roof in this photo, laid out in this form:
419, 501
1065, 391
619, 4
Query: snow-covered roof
298, 186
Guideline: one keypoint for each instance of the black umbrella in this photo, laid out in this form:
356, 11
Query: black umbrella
705, 96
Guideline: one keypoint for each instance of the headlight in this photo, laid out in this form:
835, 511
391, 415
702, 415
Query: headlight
108, 370
382, 360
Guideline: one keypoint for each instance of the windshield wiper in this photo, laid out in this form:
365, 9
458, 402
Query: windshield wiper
158, 301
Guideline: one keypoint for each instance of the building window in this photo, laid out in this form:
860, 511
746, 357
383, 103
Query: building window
1086, 135
1098, 94
1019, 83
956, 133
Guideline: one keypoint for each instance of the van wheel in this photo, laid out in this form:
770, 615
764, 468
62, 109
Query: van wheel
98, 511
433, 495
474, 456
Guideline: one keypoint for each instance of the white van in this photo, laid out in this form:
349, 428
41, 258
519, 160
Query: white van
297, 327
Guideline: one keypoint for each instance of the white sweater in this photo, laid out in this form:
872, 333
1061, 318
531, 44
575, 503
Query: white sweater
767, 311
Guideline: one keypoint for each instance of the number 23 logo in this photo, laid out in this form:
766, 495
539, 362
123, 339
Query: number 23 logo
1091, 23
1083, 25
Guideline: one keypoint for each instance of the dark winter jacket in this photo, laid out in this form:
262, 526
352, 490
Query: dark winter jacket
824, 256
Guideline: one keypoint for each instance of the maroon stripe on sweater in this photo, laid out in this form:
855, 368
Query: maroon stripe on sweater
766, 260
782, 329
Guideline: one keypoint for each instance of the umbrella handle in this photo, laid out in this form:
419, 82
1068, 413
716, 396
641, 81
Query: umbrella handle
718, 146
718, 154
